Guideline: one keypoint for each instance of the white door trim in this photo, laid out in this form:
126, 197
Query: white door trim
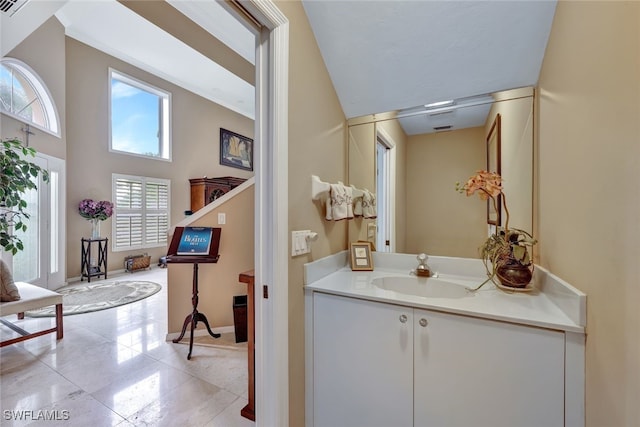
386, 139
47, 277
271, 218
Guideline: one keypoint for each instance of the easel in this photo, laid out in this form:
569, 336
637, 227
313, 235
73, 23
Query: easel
212, 257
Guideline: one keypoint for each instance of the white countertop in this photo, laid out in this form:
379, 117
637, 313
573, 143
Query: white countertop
553, 304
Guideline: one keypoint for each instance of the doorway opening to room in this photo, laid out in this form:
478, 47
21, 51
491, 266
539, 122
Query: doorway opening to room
42, 262
385, 194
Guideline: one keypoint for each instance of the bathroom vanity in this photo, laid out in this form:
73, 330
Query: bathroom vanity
385, 348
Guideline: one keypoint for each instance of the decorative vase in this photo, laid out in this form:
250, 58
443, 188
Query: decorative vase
95, 228
512, 274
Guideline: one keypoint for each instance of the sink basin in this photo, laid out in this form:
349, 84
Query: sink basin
429, 287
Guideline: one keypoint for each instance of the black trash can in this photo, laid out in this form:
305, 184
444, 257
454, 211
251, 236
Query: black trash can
240, 317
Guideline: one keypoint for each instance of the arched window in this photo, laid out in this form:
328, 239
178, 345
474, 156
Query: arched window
25, 97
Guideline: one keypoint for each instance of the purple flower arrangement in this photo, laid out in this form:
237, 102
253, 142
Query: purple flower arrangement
92, 209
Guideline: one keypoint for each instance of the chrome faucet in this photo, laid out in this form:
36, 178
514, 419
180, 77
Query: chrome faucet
422, 270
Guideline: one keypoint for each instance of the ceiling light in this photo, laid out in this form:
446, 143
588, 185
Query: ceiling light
440, 104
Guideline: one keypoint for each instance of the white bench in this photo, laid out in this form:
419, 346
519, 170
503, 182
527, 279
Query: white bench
31, 298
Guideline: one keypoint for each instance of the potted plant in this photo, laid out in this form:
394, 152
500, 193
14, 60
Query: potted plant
17, 176
506, 252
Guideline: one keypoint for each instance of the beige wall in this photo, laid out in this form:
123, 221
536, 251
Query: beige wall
361, 173
317, 145
43, 51
362, 156
196, 124
441, 221
517, 158
589, 200
393, 130
217, 283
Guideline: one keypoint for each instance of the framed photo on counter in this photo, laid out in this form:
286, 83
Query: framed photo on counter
361, 259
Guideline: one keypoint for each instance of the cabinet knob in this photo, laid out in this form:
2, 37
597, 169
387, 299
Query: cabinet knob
423, 322
403, 318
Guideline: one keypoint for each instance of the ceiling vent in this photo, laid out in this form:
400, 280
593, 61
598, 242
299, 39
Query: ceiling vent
10, 7
441, 128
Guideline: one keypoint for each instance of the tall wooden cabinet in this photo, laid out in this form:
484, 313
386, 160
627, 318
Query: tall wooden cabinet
206, 190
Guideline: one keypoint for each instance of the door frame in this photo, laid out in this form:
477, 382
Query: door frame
383, 137
46, 217
271, 214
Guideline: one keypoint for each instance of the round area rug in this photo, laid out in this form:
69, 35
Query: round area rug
78, 299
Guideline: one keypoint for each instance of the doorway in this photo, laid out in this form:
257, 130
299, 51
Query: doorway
271, 207
385, 191
42, 262
383, 238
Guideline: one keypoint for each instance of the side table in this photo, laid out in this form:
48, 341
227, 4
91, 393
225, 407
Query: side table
100, 269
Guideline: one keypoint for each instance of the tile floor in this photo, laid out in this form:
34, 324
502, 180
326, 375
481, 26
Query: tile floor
114, 368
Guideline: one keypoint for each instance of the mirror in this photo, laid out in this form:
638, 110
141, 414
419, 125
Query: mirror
414, 174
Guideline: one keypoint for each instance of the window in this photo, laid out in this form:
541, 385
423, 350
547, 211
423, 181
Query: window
141, 212
140, 118
25, 97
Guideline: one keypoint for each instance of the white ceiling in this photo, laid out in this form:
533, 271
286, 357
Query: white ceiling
109, 26
381, 55
391, 55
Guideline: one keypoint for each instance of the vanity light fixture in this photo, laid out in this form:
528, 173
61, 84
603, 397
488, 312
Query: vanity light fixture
445, 106
440, 104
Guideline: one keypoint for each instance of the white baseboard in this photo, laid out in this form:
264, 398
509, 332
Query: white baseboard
110, 275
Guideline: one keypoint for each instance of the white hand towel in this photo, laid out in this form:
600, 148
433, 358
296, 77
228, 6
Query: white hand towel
357, 206
328, 215
349, 199
368, 205
340, 202
373, 209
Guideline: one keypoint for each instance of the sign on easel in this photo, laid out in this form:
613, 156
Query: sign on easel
195, 241
194, 244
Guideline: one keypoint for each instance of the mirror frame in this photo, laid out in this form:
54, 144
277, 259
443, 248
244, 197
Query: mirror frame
494, 164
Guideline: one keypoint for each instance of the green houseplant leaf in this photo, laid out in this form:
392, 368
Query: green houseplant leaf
18, 175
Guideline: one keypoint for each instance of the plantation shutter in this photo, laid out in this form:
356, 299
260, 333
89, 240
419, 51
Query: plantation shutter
141, 212
156, 213
128, 206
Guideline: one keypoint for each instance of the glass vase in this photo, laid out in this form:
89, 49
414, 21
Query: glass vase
95, 228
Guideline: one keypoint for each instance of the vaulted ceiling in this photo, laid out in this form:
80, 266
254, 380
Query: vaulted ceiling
163, 38
381, 55
396, 55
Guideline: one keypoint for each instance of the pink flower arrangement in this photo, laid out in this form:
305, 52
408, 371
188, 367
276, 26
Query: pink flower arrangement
507, 247
92, 209
488, 185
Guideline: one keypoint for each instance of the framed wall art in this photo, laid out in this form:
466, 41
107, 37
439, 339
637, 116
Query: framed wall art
236, 150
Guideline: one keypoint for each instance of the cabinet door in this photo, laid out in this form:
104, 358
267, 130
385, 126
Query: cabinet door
362, 363
482, 373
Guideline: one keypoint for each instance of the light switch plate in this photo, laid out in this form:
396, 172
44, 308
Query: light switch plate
299, 244
371, 230
222, 218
